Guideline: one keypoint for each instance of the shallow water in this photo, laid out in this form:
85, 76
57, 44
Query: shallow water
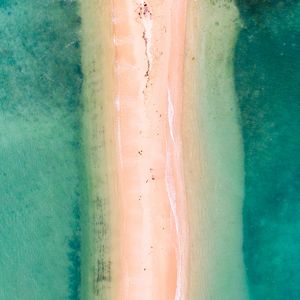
267, 77
40, 153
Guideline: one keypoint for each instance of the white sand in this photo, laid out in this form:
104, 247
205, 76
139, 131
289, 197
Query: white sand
149, 38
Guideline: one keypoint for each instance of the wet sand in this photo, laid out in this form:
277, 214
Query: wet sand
149, 45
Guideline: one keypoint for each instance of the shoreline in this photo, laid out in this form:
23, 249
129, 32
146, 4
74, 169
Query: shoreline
97, 62
215, 182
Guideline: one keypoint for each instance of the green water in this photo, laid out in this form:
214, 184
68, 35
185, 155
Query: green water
40, 151
267, 78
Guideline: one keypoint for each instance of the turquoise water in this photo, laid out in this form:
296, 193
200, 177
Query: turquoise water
267, 77
41, 166
40, 151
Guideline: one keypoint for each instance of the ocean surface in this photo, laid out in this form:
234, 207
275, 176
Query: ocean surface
41, 166
42, 174
267, 79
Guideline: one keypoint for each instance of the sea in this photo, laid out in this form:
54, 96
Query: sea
41, 156
267, 83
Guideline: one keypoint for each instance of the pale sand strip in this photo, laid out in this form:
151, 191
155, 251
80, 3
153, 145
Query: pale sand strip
213, 157
149, 41
98, 257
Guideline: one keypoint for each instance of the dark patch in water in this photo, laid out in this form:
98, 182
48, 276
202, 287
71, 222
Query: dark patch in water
74, 257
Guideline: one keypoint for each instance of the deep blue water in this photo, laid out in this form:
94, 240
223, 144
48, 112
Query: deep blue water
40, 150
267, 77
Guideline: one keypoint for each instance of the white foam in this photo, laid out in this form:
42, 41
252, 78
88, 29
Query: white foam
171, 191
171, 115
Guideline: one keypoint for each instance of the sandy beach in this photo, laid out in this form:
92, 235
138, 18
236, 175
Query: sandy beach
133, 60
149, 43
